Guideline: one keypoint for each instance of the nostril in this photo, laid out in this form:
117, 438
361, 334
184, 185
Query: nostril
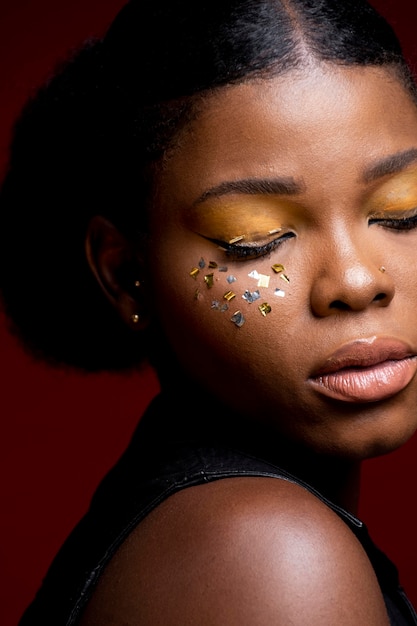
339, 305
380, 296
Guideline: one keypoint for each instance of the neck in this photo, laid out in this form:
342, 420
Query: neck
336, 479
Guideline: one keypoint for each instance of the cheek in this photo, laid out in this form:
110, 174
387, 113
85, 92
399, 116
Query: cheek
242, 293
232, 325
203, 295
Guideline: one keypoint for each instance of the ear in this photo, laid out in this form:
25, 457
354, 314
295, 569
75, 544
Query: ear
118, 270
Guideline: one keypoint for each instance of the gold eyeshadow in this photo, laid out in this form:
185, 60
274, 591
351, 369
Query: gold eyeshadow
395, 213
248, 226
245, 219
399, 207
397, 196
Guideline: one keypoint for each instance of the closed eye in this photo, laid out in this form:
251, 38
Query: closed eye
404, 223
245, 251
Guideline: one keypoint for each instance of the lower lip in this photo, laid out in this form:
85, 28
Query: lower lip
368, 384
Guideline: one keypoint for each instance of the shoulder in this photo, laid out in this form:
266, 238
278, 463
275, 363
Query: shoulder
250, 551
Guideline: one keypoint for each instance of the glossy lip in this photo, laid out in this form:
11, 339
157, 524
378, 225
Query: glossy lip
366, 370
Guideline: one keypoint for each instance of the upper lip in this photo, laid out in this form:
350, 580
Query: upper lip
364, 353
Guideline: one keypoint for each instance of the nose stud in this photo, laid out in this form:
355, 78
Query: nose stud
382, 269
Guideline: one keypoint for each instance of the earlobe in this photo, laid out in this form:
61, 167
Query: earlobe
118, 271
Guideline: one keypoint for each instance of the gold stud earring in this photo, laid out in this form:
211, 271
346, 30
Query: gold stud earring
137, 283
135, 318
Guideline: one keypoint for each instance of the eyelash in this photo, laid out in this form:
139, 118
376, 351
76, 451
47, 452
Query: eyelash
242, 252
404, 223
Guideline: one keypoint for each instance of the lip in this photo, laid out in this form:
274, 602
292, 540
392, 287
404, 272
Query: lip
366, 370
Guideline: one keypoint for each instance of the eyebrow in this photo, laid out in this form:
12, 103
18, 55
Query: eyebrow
253, 186
391, 164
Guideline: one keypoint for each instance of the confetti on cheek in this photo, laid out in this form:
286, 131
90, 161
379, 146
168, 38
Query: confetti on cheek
263, 280
238, 319
278, 268
209, 280
264, 308
251, 296
219, 307
229, 295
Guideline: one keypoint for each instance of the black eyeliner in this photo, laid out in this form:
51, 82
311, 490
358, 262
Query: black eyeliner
243, 252
403, 223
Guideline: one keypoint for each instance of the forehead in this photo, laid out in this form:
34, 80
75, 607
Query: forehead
316, 96
306, 123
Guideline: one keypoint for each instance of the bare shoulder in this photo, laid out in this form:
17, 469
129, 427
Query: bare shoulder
239, 551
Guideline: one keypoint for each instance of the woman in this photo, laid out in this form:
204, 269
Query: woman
229, 190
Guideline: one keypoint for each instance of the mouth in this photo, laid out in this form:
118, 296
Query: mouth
367, 370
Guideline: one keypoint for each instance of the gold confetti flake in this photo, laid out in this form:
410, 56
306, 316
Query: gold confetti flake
209, 280
212, 265
194, 272
236, 239
278, 268
229, 295
284, 277
264, 308
274, 231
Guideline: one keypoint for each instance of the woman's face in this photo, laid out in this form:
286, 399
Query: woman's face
284, 256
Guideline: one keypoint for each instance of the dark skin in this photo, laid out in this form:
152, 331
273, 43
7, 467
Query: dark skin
328, 373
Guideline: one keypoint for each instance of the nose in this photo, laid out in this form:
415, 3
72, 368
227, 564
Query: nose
350, 278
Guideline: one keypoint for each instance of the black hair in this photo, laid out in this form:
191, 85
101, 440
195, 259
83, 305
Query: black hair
87, 143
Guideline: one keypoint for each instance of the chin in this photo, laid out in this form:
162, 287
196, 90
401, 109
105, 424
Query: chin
370, 430
385, 441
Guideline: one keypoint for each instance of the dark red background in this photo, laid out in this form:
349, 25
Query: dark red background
61, 430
